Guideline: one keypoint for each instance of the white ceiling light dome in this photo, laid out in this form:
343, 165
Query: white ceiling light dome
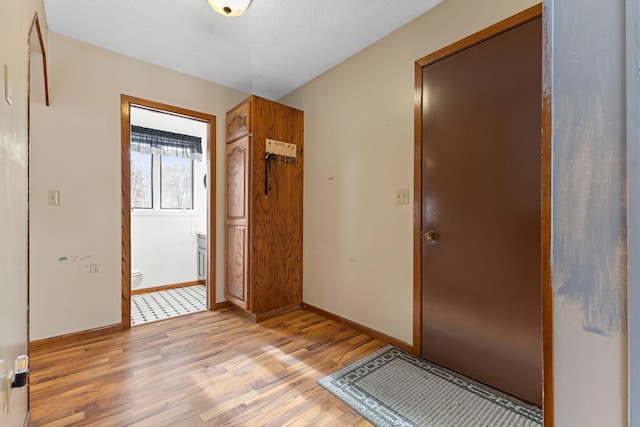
230, 7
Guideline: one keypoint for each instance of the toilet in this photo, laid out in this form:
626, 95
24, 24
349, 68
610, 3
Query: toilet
136, 278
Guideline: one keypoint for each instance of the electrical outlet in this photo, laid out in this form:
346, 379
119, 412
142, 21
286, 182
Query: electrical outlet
402, 196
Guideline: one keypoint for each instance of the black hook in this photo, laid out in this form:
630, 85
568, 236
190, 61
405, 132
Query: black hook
267, 170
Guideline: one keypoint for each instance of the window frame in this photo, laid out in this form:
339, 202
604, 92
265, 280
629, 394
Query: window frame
156, 188
151, 173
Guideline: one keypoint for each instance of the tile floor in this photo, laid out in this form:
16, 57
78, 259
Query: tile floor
170, 303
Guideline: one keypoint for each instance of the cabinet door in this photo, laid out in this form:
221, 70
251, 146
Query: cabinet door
236, 224
202, 264
238, 121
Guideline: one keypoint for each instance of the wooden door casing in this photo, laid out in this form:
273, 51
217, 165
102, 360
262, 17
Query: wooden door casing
480, 297
126, 103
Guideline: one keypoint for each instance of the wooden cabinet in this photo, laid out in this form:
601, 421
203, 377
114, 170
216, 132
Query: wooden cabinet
263, 223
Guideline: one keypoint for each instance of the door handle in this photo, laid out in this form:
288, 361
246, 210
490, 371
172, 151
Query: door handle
431, 235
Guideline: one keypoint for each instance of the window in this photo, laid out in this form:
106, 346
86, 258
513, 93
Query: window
162, 168
170, 177
176, 183
141, 181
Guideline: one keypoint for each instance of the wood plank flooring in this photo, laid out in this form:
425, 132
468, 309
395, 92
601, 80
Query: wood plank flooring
203, 369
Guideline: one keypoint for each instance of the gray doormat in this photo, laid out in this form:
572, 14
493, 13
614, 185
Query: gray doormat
393, 388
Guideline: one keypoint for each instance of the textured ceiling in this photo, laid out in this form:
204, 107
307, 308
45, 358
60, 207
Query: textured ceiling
271, 50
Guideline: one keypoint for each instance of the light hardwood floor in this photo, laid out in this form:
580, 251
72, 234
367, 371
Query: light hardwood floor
203, 369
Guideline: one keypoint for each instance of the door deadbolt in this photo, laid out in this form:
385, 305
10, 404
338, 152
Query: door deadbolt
431, 235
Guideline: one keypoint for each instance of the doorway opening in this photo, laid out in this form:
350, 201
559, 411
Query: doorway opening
38, 91
168, 211
168, 158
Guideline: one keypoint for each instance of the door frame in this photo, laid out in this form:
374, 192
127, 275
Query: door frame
35, 32
545, 190
126, 102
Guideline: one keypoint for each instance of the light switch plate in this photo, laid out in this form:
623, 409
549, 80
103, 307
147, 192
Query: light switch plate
402, 196
53, 197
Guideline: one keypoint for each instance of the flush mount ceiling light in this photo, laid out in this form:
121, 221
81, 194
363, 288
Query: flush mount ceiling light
230, 7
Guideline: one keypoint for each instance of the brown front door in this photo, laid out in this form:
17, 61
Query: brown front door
481, 186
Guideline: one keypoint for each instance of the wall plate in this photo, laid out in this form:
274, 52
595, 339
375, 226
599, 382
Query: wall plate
402, 196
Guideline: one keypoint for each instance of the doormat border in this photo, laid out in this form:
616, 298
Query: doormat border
342, 384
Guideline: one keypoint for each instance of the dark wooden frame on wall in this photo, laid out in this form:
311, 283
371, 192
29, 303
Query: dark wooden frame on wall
35, 24
545, 191
125, 135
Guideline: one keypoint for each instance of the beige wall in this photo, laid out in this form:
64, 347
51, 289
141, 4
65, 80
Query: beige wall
358, 244
358, 247
76, 150
359, 149
15, 21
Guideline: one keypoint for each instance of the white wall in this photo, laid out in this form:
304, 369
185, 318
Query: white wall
76, 149
358, 245
164, 243
165, 248
15, 21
